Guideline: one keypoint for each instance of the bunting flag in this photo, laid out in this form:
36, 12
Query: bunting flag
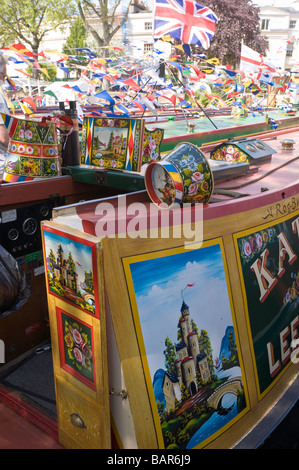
139, 105
130, 74
192, 95
29, 101
132, 84
252, 61
170, 95
25, 109
50, 93
15, 60
184, 48
214, 61
36, 64
21, 49
45, 72
11, 82
42, 54
115, 48
61, 65
185, 20
87, 52
24, 59
175, 64
198, 72
23, 72
105, 96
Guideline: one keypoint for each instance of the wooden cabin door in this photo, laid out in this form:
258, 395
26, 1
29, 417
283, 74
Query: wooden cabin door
75, 292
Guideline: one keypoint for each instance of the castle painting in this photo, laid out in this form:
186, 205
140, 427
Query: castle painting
70, 267
110, 143
185, 320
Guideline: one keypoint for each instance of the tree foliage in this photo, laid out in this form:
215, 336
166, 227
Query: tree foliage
28, 21
47, 70
238, 21
170, 355
76, 39
106, 14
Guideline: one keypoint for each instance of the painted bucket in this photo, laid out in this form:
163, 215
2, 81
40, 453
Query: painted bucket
183, 176
33, 150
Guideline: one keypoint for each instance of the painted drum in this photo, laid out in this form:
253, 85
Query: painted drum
183, 176
33, 150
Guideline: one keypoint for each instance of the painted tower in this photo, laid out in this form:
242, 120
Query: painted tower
189, 360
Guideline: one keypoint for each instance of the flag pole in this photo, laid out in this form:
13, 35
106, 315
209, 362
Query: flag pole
206, 115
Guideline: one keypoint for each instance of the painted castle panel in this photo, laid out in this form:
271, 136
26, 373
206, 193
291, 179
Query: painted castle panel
71, 269
185, 327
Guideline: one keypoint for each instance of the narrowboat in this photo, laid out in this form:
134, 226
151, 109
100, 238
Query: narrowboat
166, 286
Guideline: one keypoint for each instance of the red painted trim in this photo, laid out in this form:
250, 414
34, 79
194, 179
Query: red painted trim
29, 412
149, 185
30, 191
231, 207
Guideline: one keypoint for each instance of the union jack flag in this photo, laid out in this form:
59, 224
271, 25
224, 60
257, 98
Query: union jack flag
185, 20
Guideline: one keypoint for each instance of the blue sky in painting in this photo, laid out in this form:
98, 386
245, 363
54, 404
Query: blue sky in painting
158, 284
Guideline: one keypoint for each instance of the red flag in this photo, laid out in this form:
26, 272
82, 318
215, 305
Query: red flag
198, 72
30, 102
22, 49
132, 84
22, 71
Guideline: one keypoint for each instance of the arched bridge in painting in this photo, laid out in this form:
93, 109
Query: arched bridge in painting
89, 298
234, 386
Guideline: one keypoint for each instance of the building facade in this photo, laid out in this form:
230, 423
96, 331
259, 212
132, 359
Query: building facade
281, 27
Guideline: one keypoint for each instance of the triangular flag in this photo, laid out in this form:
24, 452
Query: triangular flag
22, 71
105, 96
45, 72
51, 93
132, 84
21, 49
36, 64
30, 101
11, 82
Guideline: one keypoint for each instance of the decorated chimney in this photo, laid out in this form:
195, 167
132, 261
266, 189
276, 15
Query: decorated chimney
69, 137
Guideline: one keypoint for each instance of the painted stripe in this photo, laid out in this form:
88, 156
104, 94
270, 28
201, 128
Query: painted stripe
15, 178
169, 167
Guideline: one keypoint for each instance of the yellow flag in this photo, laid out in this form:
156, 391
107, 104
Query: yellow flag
11, 106
101, 61
61, 54
179, 46
45, 72
214, 61
166, 38
25, 109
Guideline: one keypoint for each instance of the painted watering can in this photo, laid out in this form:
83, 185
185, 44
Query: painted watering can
33, 151
183, 176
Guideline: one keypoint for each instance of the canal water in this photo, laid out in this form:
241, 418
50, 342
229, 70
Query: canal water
217, 420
